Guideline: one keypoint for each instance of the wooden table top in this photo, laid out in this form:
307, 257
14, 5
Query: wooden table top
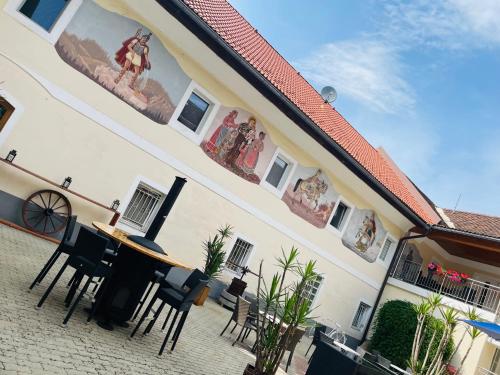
121, 236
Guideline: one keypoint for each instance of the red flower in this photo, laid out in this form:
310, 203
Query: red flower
465, 276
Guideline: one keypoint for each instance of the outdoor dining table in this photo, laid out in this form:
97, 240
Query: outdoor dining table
132, 270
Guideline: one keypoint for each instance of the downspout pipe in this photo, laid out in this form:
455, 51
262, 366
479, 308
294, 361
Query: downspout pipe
401, 241
187, 17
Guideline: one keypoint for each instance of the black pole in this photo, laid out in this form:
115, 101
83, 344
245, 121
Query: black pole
165, 208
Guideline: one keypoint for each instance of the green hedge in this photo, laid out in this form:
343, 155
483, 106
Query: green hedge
394, 329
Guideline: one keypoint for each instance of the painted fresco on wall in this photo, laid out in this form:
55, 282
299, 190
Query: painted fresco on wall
364, 234
124, 57
310, 195
238, 141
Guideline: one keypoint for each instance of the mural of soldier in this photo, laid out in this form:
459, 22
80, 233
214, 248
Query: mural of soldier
133, 56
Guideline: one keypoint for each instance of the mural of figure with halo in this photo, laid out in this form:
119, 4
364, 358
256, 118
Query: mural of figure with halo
364, 234
239, 142
311, 196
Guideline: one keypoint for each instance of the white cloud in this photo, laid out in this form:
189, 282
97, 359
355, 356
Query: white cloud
449, 24
368, 71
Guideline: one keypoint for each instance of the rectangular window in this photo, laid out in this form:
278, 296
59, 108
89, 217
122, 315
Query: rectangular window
277, 172
312, 288
193, 112
361, 315
239, 255
142, 207
44, 13
385, 249
340, 216
6, 110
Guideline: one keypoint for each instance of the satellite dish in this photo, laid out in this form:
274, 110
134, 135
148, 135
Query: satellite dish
329, 94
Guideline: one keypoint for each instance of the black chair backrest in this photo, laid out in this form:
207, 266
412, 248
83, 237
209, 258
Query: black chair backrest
68, 231
90, 245
193, 279
317, 333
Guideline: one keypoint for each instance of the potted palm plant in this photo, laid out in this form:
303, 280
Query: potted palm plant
214, 258
284, 308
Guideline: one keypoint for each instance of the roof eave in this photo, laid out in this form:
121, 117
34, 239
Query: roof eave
185, 15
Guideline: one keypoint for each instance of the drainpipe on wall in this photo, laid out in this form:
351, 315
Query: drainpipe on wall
402, 241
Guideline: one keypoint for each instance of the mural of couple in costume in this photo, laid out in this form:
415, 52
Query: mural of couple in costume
237, 146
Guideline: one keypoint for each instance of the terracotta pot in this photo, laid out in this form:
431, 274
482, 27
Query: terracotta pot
200, 300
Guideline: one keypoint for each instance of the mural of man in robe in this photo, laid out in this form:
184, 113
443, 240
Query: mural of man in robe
133, 56
243, 132
366, 234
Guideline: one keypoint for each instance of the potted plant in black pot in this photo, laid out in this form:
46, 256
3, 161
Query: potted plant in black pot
214, 258
284, 308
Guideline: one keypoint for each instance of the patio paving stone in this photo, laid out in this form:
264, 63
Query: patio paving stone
34, 341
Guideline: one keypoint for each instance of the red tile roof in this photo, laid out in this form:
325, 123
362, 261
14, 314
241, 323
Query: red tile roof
250, 45
474, 223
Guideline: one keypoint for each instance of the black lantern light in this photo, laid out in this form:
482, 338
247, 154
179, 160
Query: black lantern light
115, 205
11, 156
66, 182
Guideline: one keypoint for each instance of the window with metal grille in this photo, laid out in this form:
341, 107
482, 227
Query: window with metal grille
142, 207
361, 315
44, 12
238, 257
312, 288
340, 216
385, 249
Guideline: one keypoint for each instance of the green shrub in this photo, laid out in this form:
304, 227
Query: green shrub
394, 329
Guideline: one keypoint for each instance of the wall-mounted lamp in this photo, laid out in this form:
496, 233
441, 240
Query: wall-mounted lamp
115, 205
66, 182
11, 156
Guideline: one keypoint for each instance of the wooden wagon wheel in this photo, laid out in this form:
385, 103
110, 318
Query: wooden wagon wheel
46, 211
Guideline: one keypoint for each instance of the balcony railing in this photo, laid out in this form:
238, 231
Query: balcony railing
473, 292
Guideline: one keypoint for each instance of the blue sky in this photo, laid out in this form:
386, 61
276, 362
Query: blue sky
420, 78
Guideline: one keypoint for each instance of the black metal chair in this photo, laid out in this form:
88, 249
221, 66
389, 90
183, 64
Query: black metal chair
316, 336
181, 299
158, 278
64, 247
86, 258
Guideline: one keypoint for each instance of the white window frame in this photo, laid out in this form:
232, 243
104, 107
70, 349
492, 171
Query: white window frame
368, 312
347, 219
390, 252
12, 8
320, 288
128, 197
293, 165
14, 117
214, 104
230, 247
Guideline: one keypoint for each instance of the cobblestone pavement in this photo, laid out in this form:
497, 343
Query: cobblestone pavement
34, 341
